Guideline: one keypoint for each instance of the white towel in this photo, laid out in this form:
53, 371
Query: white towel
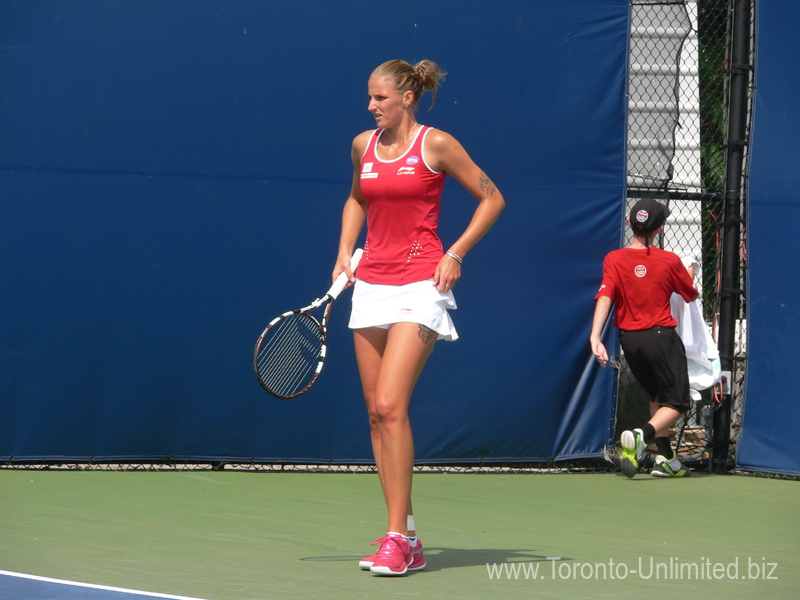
702, 354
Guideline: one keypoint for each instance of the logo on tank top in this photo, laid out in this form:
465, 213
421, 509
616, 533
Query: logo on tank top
411, 161
366, 171
640, 270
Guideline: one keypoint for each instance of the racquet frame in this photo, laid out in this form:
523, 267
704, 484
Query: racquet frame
322, 327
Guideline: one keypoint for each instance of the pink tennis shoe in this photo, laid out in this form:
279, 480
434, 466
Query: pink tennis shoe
395, 556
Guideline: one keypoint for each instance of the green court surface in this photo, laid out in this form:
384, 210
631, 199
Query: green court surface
242, 535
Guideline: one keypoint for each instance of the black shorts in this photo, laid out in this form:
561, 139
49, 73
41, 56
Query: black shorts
657, 358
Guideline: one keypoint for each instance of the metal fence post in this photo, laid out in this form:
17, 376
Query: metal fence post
730, 287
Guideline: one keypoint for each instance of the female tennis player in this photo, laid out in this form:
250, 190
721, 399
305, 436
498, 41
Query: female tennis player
405, 279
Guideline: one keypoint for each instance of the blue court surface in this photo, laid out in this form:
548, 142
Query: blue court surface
19, 586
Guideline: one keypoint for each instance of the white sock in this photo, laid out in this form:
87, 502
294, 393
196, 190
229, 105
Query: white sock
411, 540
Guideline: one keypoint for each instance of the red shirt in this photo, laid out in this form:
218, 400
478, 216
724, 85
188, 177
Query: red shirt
403, 198
641, 283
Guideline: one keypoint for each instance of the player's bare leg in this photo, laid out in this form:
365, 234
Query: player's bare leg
390, 363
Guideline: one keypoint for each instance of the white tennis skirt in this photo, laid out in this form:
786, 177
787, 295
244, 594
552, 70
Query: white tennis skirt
377, 305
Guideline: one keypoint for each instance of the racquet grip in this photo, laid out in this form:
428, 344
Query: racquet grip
342, 280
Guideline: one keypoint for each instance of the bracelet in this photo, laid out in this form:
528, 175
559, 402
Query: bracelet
455, 256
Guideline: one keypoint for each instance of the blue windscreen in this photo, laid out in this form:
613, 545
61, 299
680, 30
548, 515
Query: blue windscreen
172, 177
770, 417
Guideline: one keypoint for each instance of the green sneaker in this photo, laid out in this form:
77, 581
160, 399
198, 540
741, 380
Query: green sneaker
668, 468
633, 448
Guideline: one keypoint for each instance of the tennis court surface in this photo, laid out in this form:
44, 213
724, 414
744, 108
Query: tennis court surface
225, 535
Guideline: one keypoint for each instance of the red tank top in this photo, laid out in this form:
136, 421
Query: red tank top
403, 198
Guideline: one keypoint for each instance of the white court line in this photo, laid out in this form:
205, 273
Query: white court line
95, 586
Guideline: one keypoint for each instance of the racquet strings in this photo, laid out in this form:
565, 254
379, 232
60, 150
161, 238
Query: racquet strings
289, 354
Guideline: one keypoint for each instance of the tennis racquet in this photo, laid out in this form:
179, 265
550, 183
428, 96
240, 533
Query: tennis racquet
288, 356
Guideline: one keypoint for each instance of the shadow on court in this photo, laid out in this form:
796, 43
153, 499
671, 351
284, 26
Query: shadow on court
439, 558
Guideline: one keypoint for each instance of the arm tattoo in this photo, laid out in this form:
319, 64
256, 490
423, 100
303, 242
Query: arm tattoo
425, 333
486, 185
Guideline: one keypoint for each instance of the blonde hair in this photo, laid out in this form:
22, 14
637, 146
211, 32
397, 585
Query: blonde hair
425, 75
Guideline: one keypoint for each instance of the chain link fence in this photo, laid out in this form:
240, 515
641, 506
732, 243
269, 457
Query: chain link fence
678, 99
